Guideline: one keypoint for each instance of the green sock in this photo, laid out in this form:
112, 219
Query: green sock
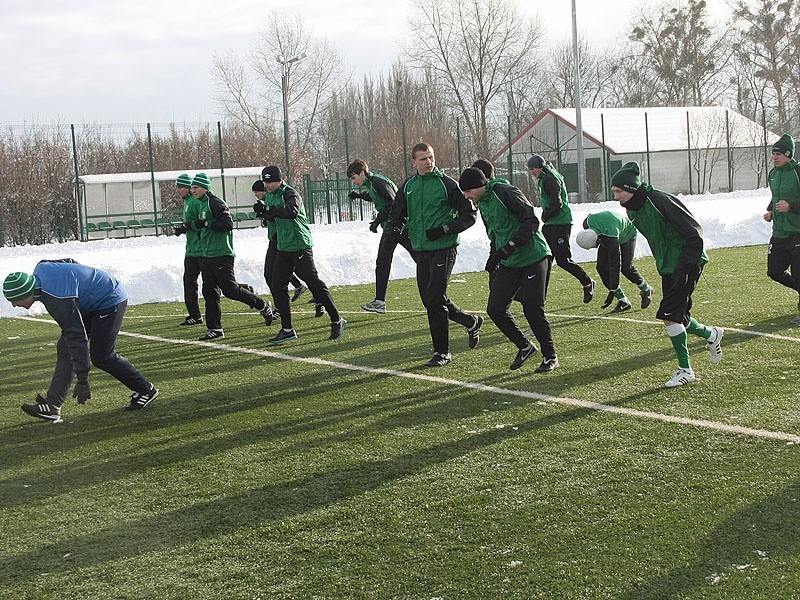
644, 286
698, 329
681, 349
619, 294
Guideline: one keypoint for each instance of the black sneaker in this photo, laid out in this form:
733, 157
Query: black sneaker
522, 356
267, 313
43, 410
190, 320
298, 292
211, 334
439, 360
139, 400
647, 297
622, 306
548, 364
283, 336
319, 310
588, 292
474, 332
337, 327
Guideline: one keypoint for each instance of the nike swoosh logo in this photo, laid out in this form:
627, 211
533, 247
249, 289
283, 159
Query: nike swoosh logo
441, 265
103, 316
531, 276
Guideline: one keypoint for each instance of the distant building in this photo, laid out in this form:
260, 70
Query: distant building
681, 149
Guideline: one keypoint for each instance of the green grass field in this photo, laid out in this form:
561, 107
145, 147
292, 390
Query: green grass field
345, 469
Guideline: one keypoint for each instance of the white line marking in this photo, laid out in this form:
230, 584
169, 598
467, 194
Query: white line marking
630, 412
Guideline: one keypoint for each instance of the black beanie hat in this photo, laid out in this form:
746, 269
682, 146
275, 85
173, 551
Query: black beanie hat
258, 186
471, 179
271, 174
627, 178
536, 162
784, 146
485, 166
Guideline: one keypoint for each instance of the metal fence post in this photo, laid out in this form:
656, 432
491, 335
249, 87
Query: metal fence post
221, 161
405, 145
730, 153
689, 151
80, 212
346, 146
152, 178
647, 146
510, 157
458, 142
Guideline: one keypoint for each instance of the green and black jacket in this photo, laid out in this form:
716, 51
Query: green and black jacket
216, 237
285, 206
553, 195
784, 183
675, 237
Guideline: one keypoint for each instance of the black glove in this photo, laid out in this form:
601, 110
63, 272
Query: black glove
609, 300
199, 224
82, 390
259, 208
354, 195
498, 255
395, 233
436, 232
179, 229
373, 226
682, 273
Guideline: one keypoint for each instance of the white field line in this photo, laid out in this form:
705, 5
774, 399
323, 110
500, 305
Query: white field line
630, 412
773, 336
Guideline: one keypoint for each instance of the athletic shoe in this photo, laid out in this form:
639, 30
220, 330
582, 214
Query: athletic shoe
439, 360
647, 297
588, 292
190, 320
275, 313
522, 356
43, 410
715, 347
211, 334
682, 377
548, 364
622, 306
283, 336
474, 332
319, 310
337, 327
298, 291
139, 400
376, 306
266, 312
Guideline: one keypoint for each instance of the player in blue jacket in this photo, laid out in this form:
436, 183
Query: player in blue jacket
88, 304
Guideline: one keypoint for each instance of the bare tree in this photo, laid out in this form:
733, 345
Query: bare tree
250, 89
474, 49
686, 54
766, 47
595, 75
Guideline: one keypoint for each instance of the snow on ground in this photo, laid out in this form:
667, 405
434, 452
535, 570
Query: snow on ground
151, 268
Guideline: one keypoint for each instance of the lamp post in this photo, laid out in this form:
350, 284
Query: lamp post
285, 67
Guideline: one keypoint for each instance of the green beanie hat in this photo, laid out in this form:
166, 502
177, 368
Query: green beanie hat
183, 181
18, 285
784, 146
202, 180
627, 178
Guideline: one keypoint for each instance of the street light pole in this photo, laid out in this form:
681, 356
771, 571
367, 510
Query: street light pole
285, 67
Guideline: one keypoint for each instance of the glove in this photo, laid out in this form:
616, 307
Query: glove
436, 232
179, 229
82, 391
373, 226
609, 300
498, 255
259, 208
682, 273
354, 195
395, 233
199, 224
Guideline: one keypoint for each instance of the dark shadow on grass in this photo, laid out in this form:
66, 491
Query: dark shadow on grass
771, 526
253, 507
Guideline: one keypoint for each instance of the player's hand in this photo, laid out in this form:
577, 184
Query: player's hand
82, 391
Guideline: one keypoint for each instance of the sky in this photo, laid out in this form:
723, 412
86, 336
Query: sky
151, 268
109, 61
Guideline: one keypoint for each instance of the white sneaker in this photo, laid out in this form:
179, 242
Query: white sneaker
376, 306
715, 347
682, 377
